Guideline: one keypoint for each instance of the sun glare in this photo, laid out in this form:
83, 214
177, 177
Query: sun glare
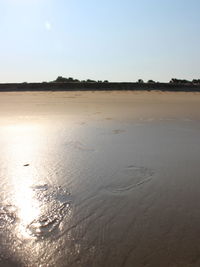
22, 152
48, 26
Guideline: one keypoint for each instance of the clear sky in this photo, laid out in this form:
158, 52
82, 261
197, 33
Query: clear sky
118, 40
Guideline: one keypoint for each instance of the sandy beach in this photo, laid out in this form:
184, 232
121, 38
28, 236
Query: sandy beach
99, 179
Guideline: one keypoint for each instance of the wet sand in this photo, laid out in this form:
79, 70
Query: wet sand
99, 179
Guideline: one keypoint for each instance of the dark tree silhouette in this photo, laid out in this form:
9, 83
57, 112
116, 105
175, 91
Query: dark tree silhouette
61, 79
179, 81
196, 81
90, 81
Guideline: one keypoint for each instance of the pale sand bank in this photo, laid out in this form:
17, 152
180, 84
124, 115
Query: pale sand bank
120, 105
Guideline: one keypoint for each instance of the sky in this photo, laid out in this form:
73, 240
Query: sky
115, 40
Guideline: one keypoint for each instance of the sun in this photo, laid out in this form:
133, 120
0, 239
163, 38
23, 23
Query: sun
48, 25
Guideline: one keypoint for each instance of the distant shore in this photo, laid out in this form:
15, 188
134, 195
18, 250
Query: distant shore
96, 86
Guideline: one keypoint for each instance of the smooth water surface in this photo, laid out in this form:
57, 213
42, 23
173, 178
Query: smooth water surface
99, 179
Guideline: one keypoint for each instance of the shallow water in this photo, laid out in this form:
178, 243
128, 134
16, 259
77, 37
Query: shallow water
98, 179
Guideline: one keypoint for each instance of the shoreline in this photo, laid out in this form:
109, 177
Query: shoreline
88, 86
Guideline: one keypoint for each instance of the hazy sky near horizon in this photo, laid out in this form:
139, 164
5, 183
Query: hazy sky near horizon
99, 39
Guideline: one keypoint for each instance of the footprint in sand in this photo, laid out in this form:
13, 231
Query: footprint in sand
118, 131
129, 178
78, 145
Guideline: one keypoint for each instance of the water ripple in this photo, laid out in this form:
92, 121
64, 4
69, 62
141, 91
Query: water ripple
55, 206
7, 215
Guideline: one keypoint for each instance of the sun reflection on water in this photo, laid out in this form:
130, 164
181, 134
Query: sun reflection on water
23, 149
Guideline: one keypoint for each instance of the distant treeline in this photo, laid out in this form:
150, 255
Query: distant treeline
71, 84
179, 81
61, 79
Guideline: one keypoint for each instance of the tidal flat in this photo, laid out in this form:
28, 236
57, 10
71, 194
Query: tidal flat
100, 179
